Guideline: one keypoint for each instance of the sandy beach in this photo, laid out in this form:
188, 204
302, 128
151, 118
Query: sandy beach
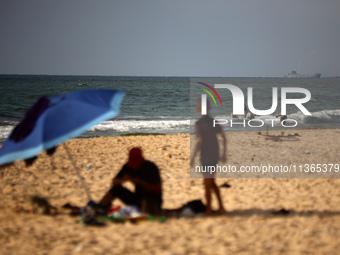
309, 222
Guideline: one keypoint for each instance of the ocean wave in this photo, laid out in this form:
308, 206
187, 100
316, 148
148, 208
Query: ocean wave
124, 126
5, 131
140, 118
316, 116
165, 125
137, 125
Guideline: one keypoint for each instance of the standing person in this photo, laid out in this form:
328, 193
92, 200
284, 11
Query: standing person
245, 112
248, 115
282, 118
207, 144
145, 176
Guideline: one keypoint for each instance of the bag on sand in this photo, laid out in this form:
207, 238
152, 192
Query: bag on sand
196, 206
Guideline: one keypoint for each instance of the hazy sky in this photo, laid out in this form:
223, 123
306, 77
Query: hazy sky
170, 38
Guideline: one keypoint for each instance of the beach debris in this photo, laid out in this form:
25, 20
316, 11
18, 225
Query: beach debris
128, 213
187, 212
225, 185
282, 137
40, 205
192, 208
89, 215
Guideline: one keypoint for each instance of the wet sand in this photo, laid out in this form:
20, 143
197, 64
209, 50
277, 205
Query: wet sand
311, 224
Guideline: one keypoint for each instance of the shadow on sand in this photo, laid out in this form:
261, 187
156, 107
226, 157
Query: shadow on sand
255, 212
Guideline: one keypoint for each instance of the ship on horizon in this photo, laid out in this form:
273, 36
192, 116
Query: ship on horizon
294, 74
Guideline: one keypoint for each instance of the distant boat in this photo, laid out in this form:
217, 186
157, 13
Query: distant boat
294, 74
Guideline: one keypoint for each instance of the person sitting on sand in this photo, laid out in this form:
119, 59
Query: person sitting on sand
145, 176
207, 144
250, 115
234, 116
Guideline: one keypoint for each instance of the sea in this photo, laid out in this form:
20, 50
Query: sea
165, 104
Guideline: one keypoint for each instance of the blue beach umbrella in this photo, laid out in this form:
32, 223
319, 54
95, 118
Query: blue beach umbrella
54, 120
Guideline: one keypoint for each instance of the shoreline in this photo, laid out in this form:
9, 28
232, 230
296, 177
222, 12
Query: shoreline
279, 129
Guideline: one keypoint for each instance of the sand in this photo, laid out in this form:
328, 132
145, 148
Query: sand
249, 227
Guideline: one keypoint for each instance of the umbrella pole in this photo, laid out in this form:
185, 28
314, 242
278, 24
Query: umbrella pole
80, 178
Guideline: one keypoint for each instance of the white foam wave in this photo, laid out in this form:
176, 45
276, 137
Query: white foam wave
123, 126
5, 131
324, 114
134, 125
